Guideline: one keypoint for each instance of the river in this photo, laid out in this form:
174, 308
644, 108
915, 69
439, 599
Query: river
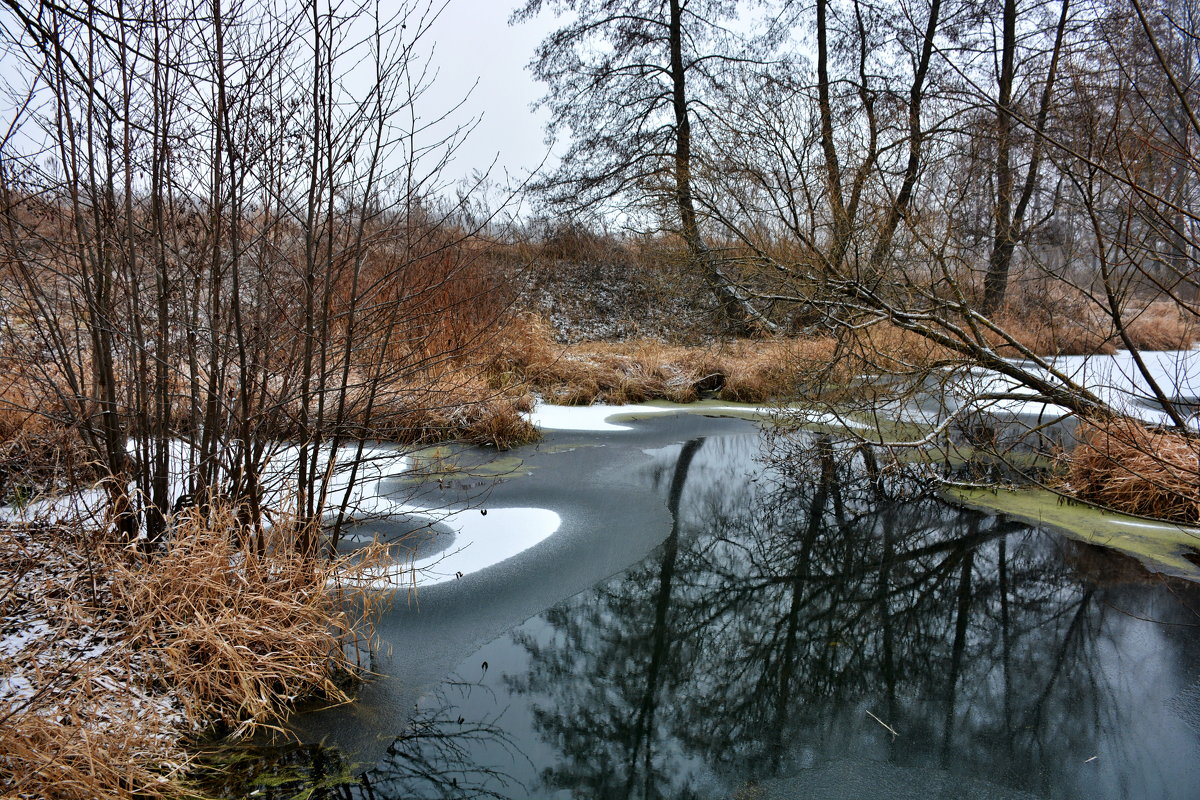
702, 625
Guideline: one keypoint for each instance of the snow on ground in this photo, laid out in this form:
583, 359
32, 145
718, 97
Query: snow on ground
81, 506
60, 645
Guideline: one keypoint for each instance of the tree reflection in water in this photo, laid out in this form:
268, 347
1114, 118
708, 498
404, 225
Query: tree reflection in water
432, 759
782, 609
790, 620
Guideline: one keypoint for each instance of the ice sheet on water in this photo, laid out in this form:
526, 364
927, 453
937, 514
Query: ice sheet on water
483, 538
1116, 379
550, 417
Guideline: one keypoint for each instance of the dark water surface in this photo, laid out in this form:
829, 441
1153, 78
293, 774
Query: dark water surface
701, 627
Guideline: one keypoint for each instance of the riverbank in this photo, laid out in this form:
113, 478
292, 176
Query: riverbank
114, 662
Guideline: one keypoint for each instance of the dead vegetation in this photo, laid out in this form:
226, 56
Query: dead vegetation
749, 371
1124, 465
114, 658
73, 725
1056, 318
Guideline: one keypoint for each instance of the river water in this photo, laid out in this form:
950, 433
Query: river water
703, 626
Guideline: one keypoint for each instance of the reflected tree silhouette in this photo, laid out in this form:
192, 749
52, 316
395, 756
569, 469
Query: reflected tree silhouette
785, 606
434, 758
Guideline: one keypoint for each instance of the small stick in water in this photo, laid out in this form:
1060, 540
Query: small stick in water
889, 728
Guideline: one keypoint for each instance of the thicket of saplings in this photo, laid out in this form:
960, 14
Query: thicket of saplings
145, 624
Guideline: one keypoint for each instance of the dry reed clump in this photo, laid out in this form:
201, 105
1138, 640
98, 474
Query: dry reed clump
237, 633
113, 657
751, 371
1054, 318
780, 369
40, 461
500, 422
21, 403
1122, 464
1162, 325
453, 407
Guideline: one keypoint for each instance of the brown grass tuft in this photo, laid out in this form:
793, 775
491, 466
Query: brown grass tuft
1162, 326
1124, 465
751, 371
240, 634
209, 636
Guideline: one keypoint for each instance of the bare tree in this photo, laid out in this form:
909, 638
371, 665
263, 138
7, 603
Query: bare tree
629, 81
223, 222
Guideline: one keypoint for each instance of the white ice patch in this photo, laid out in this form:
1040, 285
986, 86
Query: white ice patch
487, 540
1115, 379
548, 417
88, 504
278, 477
481, 540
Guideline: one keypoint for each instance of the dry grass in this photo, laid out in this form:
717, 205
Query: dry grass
210, 636
1055, 318
888, 349
1124, 465
238, 634
451, 406
21, 403
54, 748
1071, 330
751, 371
72, 724
1162, 326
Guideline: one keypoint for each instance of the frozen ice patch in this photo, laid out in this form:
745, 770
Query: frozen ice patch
483, 538
548, 417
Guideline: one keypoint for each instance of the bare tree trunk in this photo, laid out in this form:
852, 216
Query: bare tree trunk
739, 313
1003, 241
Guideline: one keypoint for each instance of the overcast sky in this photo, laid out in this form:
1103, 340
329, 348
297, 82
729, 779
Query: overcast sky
477, 51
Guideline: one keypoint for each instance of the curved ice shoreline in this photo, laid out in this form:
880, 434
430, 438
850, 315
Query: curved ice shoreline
483, 538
